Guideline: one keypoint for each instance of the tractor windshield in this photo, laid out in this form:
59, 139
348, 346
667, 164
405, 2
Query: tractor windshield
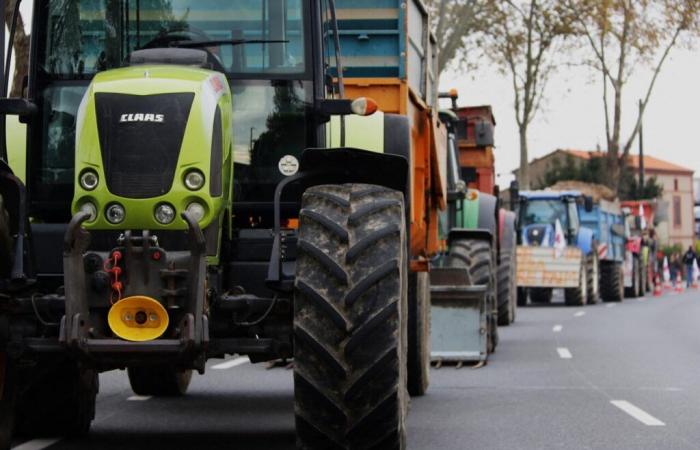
270, 78
88, 36
544, 212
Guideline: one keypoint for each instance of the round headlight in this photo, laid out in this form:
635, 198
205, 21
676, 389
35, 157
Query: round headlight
164, 213
89, 180
115, 213
194, 180
91, 209
196, 211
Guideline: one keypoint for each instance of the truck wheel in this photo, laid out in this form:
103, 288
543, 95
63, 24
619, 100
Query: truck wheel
593, 277
577, 296
633, 291
506, 288
611, 282
477, 257
418, 333
541, 295
58, 400
522, 296
159, 381
350, 319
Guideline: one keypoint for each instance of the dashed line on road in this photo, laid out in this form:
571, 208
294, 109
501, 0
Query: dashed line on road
232, 363
638, 413
643, 299
564, 353
37, 444
580, 313
611, 305
139, 398
557, 328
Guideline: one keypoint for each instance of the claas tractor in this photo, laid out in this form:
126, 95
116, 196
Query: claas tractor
188, 195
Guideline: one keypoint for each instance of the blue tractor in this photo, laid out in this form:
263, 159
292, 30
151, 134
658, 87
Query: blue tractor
554, 249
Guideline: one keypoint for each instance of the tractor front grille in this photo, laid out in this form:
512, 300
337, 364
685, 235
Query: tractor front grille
140, 140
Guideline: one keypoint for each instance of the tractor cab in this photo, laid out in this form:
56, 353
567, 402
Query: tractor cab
539, 213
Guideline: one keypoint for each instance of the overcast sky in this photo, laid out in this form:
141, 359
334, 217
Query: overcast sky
573, 115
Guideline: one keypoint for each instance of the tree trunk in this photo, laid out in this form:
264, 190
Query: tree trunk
21, 50
524, 178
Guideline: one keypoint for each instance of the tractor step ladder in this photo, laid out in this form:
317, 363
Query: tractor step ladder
458, 317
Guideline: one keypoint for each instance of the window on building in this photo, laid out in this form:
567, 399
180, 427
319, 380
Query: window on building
677, 216
675, 184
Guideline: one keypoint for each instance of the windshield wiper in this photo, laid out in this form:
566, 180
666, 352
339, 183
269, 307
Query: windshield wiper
215, 42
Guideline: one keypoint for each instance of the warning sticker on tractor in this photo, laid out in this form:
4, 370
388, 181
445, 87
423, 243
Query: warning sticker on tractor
288, 165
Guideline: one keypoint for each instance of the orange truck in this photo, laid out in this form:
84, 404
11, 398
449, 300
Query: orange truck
389, 55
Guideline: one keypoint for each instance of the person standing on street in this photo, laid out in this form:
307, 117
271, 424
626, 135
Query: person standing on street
688, 260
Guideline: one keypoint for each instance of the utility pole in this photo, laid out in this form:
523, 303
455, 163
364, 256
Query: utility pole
641, 152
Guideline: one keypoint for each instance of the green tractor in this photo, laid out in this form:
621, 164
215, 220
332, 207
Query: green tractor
182, 202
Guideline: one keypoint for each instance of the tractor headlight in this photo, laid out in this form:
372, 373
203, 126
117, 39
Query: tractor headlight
164, 213
89, 180
194, 180
90, 209
196, 211
115, 213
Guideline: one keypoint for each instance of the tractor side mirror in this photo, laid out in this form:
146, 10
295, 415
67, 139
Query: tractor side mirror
588, 203
17, 107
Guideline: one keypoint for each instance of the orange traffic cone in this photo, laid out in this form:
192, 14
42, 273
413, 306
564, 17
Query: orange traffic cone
657, 286
679, 283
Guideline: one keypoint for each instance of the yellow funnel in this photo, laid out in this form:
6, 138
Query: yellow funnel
138, 319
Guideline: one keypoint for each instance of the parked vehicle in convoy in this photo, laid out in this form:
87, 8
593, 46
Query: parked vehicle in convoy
171, 214
474, 132
607, 222
554, 249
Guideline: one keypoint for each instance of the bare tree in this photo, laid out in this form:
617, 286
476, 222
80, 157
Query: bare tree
623, 36
453, 22
523, 39
20, 48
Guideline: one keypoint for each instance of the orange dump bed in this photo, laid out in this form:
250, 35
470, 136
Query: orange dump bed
428, 158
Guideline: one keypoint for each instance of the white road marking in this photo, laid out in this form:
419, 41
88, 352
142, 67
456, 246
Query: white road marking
639, 414
557, 328
611, 305
37, 444
564, 353
139, 398
231, 363
580, 313
641, 299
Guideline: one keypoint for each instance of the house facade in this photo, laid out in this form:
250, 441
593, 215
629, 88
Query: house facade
676, 217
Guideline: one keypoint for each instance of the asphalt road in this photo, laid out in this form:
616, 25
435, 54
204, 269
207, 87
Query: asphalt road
621, 376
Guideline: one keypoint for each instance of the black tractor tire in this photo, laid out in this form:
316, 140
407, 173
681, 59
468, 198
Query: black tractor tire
634, 290
506, 288
593, 277
477, 256
522, 296
7, 401
159, 381
418, 333
579, 295
611, 282
55, 399
350, 308
541, 295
